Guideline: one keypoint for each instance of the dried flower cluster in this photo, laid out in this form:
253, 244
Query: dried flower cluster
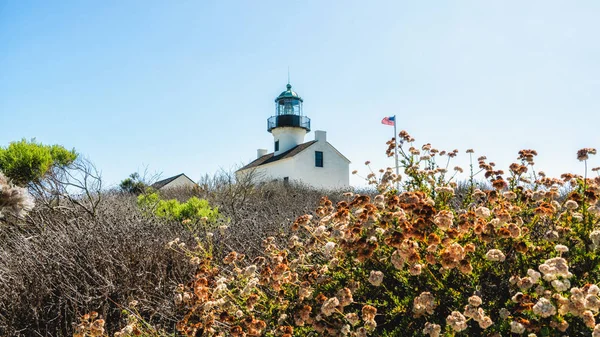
435, 257
14, 200
90, 326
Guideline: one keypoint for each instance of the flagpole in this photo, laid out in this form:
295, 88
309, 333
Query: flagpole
396, 154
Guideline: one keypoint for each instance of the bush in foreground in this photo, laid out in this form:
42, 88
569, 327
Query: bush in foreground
519, 258
61, 264
60, 261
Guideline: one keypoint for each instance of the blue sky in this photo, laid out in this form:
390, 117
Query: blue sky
187, 86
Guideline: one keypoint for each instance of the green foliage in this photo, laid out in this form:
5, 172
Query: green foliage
133, 184
196, 208
194, 213
27, 162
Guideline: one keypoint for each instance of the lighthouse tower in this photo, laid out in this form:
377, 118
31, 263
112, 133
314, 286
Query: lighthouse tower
289, 125
315, 162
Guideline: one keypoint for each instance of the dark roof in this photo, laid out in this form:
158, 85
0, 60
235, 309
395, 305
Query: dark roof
160, 184
270, 158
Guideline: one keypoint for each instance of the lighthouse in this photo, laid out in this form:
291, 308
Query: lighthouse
316, 163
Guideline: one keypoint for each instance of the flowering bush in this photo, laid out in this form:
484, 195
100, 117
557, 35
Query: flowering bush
92, 325
429, 259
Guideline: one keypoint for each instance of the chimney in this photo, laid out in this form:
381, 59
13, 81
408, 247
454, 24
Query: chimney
320, 136
260, 153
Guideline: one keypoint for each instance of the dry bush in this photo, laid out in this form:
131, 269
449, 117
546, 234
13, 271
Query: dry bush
251, 212
65, 263
257, 211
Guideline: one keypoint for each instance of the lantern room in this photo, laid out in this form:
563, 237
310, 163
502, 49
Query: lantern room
288, 112
288, 103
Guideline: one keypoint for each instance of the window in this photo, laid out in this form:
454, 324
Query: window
276, 145
318, 158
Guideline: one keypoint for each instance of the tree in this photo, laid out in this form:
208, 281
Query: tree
26, 162
133, 184
52, 174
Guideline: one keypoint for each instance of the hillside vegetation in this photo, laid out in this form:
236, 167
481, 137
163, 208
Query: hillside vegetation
504, 253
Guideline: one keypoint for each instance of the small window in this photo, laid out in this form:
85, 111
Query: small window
318, 158
276, 145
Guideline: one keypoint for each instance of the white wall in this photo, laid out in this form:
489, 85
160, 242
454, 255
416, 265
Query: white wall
277, 170
335, 172
288, 138
181, 181
272, 171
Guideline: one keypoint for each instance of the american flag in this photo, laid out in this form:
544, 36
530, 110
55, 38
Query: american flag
389, 120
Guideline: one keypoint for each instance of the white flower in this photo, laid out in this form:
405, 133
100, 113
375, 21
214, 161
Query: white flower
320, 231
595, 237
559, 286
397, 260
592, 302
415, 269
516, 327
534, 275
375, 278
588, 319
424, 304
570, 204
483, 212
516, 297
561, 248
329, 306
329, 247
495, 255
433, 330
444, 189
544, 308
485, 322
475, 300
456, 321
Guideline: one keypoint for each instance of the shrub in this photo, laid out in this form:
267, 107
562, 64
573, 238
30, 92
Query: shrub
25, 162
256, 211
62, 263
133, 184
194, 213
517, 258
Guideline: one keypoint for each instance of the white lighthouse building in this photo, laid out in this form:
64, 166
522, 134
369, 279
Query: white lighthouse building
316, 163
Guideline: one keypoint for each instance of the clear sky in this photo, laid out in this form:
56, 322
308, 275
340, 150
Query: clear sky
187, 86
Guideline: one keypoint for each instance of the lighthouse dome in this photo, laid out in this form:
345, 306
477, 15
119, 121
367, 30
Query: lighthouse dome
289, 93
